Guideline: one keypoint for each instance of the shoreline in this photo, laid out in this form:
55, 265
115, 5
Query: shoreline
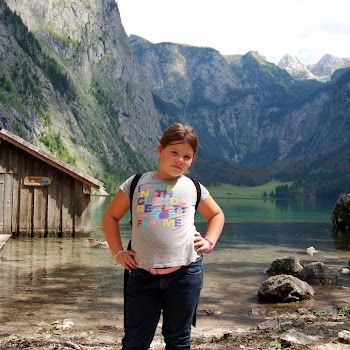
316, 329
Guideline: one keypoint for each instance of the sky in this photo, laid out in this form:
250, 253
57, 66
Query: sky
306, 29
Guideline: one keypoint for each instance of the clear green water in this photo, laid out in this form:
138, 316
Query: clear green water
56, 278
289, 225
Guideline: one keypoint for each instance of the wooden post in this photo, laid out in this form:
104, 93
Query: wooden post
8, 188
82, 210
54, 204
39, 211
15, 206
13, 169
39, 203
2, 206
25, 225
67, 206
3, 149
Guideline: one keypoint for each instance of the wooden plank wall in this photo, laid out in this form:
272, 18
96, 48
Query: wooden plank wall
40, 217
2, 185
25, 197
6, 190
82, 209
54, 204
61, 209
67, 187
2, 204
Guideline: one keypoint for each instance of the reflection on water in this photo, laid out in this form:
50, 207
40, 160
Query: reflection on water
57, 278
248, 210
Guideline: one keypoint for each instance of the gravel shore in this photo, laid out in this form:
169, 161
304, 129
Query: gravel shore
301, 328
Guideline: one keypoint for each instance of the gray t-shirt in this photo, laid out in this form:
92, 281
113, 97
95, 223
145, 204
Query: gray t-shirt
163, 220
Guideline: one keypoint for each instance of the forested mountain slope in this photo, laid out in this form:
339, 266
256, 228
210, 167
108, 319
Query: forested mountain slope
72, 82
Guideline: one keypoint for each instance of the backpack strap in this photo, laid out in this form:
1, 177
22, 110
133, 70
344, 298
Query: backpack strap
198, 189
133, 185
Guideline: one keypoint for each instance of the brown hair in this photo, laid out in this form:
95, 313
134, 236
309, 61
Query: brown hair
180, 133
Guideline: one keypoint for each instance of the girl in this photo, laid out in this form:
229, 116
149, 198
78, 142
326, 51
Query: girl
164, 261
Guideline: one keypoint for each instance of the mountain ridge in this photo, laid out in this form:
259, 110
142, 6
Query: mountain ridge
83, 90
323, 70
103, 73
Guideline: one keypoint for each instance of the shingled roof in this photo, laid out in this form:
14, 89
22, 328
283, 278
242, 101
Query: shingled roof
47, 158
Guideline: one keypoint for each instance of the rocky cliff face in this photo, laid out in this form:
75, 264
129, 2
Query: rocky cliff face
246, 109
237, 103
327, 65
108, 112
295, 68
72, 82
322, 70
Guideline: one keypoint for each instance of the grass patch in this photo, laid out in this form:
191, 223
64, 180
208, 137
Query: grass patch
53, 142
232, 191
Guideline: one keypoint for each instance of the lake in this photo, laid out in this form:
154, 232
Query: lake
43, 280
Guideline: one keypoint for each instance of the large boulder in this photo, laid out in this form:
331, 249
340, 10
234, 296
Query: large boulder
289, 265
285, 288
318, 273
341, 212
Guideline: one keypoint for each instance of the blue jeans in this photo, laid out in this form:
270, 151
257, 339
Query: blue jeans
176, 294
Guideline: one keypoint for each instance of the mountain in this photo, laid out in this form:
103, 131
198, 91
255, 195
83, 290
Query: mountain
249, 112
72, 85
327, 65
238, 103
72, 82
323, 70
295, 68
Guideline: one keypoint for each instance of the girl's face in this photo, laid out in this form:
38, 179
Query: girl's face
174, 159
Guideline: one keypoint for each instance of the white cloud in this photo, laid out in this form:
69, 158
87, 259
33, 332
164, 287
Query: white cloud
307, 29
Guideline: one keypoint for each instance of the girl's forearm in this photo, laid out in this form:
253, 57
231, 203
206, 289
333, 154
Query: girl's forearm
112, 234
214, 228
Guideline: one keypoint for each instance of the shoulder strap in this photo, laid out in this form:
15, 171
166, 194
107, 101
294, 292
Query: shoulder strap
133, 185
198, 189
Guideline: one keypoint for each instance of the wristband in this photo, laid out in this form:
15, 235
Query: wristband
115, 256
211, 245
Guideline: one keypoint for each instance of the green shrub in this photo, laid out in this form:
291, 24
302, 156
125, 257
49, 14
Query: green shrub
54, 144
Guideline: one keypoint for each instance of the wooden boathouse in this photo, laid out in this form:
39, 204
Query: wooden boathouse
41, 196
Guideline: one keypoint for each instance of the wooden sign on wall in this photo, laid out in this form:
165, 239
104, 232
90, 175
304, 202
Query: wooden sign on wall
37, 181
